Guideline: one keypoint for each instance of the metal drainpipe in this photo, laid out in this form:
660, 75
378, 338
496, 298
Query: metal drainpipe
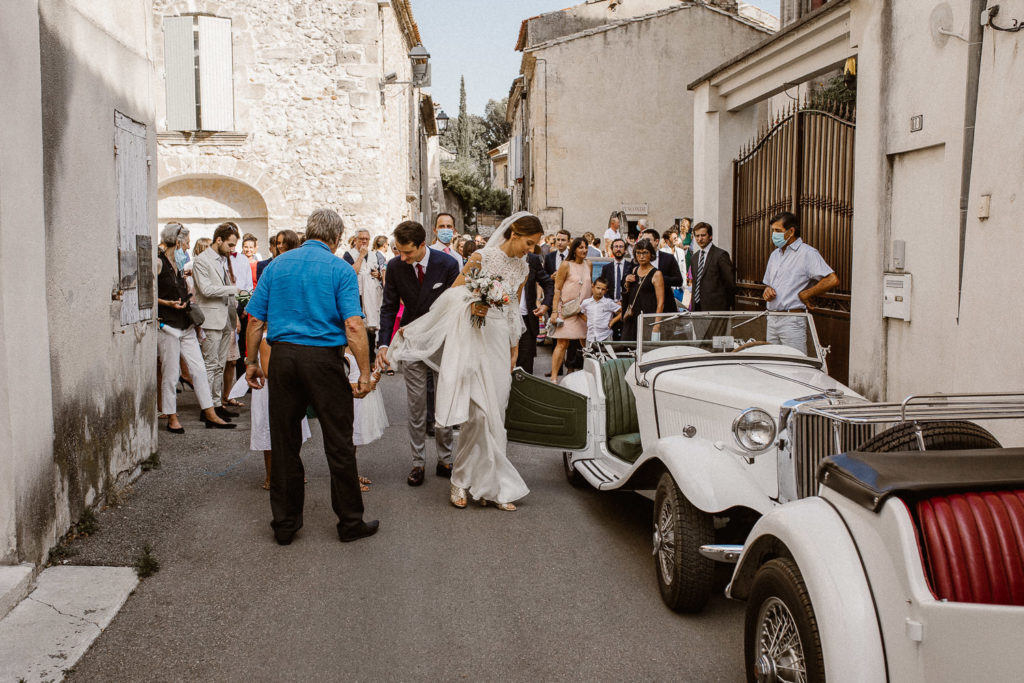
974, 45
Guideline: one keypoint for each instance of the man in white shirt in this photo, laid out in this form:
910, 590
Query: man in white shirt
598, 310
611, 234
444, 229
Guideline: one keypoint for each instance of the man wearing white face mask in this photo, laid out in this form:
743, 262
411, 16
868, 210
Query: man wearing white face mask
796, 273
444, 228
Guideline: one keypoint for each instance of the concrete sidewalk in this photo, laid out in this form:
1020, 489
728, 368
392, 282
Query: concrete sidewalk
49, 631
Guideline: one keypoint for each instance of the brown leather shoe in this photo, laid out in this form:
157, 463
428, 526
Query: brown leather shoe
415, 477
443, 470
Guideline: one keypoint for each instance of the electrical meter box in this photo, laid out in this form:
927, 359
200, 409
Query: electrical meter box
896, 295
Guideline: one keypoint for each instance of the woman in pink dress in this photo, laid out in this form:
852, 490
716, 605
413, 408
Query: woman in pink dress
572, 287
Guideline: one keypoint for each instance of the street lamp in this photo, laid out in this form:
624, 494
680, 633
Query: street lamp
420, 66
442, 121
420, 62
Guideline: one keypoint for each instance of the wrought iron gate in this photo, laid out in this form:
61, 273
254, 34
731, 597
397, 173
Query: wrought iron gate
802, 163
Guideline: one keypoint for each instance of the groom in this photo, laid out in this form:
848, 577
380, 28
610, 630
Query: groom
415, 278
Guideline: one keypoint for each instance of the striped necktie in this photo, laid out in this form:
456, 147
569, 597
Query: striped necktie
700, 276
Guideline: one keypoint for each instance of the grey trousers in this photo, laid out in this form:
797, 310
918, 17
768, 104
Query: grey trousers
416, 389
215, 355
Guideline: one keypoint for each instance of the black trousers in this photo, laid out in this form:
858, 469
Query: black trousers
301, 376
243, 321
528, 343
574, 355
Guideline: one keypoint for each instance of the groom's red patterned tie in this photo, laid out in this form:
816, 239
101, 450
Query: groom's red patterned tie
419, 272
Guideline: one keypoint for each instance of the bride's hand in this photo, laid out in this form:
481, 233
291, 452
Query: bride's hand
480, 309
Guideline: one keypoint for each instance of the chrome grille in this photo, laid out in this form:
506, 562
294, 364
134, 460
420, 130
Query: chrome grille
814, 440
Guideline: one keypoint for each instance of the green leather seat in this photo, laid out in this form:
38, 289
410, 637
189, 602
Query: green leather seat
621, 424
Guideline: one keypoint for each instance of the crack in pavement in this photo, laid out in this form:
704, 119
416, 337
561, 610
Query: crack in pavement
65, 614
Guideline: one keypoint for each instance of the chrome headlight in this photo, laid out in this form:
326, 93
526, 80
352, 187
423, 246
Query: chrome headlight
754, 430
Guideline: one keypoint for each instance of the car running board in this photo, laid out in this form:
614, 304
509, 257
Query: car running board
595, 473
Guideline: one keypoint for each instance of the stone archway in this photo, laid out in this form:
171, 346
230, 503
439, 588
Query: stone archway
202, 202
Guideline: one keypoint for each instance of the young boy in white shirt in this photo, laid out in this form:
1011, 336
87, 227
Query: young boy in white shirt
598, 311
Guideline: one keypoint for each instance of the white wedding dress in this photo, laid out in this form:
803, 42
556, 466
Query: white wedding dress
474, 376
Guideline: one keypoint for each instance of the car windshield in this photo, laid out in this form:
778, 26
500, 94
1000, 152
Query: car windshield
753, 332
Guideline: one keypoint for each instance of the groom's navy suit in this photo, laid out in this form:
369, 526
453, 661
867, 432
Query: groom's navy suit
402, 286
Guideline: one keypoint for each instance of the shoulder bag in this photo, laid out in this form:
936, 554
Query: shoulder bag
636, 293
196, 316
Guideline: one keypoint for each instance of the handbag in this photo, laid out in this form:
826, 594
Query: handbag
570, 309
196, 316
629, 309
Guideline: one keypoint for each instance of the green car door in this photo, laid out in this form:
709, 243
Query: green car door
541, 413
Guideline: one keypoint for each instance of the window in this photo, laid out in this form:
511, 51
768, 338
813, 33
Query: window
198, 73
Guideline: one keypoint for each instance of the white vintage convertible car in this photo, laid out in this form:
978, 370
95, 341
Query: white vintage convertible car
909, 563
729, 429
711, 418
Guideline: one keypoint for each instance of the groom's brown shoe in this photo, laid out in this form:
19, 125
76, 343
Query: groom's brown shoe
443, 470
415, 477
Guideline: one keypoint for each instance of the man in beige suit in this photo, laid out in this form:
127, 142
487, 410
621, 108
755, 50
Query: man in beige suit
216, 298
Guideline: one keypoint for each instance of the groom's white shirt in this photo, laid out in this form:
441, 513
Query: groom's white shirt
426, 257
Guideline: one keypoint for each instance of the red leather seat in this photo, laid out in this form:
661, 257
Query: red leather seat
974, 546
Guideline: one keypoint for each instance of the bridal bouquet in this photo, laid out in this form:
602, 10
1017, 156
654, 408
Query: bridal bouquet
489, 291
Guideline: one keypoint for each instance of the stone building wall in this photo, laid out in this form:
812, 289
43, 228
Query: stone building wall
310, 127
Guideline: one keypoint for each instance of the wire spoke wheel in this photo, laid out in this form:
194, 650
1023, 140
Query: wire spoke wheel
780, 651
782, 642
685, 576
665, 542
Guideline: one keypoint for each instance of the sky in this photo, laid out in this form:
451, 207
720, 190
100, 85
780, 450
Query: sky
477, 39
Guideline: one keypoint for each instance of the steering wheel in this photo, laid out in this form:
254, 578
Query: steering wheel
749, 344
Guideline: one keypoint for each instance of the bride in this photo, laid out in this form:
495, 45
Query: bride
474, 364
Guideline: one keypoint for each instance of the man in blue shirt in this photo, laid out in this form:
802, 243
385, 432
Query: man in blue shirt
308, 302
796, 273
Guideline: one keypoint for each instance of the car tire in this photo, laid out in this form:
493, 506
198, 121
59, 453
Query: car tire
938, 436
571, 475
779, 606
685, 577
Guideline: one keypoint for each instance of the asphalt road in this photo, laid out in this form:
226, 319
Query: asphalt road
562, 589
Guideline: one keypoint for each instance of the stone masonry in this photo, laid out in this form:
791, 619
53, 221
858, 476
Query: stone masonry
312, 127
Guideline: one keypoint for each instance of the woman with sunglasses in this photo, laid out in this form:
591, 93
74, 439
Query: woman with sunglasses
644, 290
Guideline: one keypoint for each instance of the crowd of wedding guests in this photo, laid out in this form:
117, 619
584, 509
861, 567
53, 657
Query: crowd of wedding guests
203, 289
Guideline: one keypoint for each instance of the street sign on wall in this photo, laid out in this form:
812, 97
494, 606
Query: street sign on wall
639, 209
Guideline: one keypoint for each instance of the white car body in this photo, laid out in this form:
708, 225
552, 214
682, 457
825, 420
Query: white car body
861, 569
878, 618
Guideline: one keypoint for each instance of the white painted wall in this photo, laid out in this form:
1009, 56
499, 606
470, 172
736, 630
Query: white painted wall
26, 413
908, 187
619, 121
77, 403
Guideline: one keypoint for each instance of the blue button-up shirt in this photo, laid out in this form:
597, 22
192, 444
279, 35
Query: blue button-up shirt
305, 296
792, 271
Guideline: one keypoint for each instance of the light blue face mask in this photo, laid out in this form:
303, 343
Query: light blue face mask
445, 235
180, 258
778, 239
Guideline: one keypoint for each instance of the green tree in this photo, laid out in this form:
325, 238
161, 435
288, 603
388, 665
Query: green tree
465, 132
496, 129
470, 136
